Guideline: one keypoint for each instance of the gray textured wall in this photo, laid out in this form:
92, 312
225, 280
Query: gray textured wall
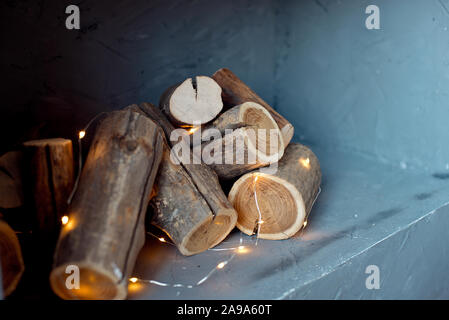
382, 93
126, 52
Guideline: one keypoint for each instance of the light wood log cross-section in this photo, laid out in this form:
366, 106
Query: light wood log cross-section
254, 140
284, 198
235, 92
194, 101
11, 261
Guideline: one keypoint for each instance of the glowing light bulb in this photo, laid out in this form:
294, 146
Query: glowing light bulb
133, 279
82, 134
193, 130
305, 162
242, 249
304, 224
161, 239
255, 179
65, 220
260, 221
221, 265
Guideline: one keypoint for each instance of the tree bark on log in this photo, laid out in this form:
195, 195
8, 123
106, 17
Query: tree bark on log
49, 179
11, 180
190, 204
236, 92
12, 266
194, 101
284, 199
181, 211
255, 141
106, 228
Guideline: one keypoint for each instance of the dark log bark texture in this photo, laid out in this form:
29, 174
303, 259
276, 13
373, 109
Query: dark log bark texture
49, 181
11, 180
189, 200
106, 229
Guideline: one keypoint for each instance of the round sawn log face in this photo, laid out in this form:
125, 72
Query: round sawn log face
284, 199
193, 102
236, 92
255, 140
11, 260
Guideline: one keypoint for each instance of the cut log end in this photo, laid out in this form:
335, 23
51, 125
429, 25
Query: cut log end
257, 117
255, 140
284, 198
281, 207
235, 92
287, 132
106, 227
94, 283
11, 260
194, 102
209, 233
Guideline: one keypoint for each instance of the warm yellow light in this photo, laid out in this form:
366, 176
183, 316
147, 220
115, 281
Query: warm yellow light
161, 239
221, 265
193, 130
242, 249
82, 134
305, 162
65, 220
133, 279
260, 221
255, 179
304, 224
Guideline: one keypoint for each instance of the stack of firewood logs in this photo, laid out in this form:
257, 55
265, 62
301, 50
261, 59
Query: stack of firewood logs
169, 163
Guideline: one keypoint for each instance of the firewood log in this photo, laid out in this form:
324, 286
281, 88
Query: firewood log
49, 181
183, 213
12, 266
235, 92
284, 198
190, 205
194, 100
105, 230
255, 141
11, 180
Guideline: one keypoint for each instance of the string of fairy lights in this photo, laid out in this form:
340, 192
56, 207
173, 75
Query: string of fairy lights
241, 248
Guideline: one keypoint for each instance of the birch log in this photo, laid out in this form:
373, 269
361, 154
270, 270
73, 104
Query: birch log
284, 199
194, 101
106, 229
236, 92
